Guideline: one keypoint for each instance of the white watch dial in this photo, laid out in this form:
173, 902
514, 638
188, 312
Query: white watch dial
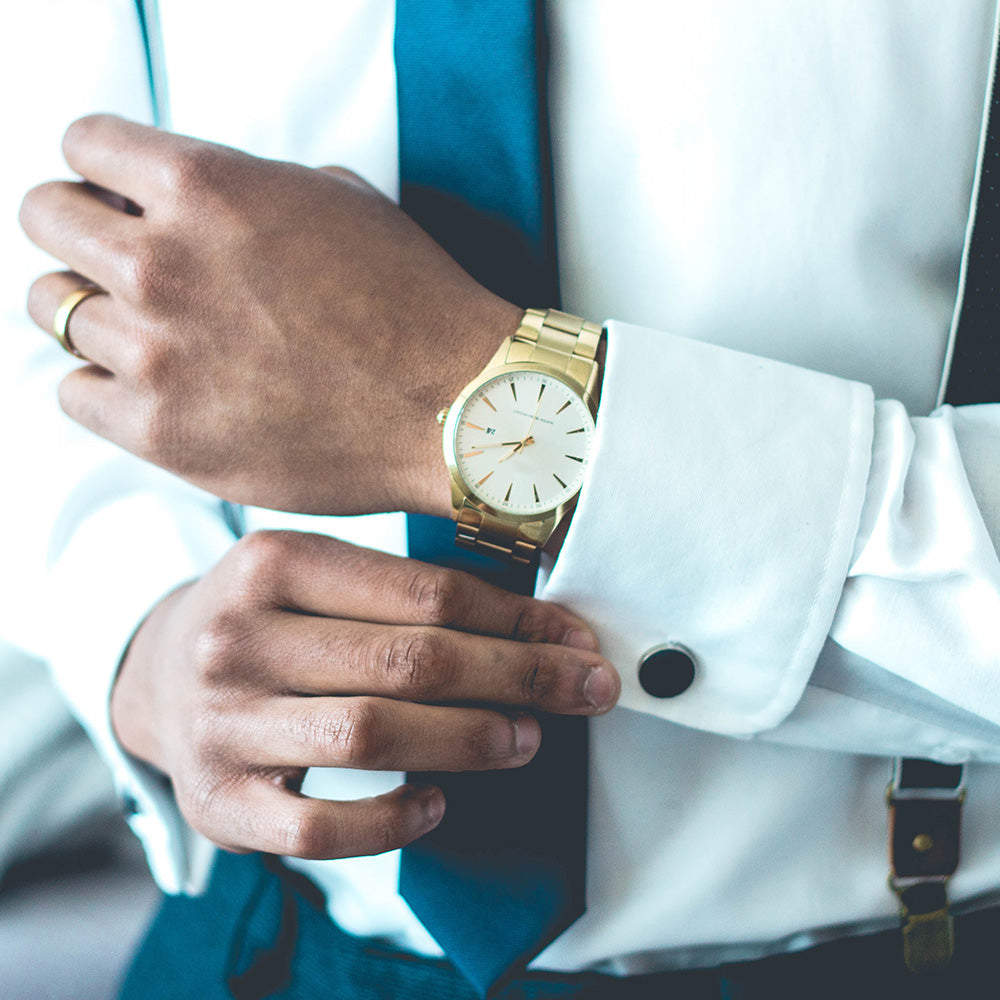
523, 442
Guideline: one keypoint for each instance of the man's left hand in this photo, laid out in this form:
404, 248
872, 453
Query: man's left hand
277, 335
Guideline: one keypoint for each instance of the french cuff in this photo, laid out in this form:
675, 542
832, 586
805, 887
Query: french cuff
717, 519
120, 562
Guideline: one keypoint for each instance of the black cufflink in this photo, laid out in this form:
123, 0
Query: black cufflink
667, 671
129, 806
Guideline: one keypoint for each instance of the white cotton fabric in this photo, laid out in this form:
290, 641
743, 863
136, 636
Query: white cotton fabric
770, 202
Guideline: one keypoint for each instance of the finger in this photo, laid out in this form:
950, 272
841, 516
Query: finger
94, 398
69, 221
310, 655
121, 155
95, 326
262, 815
310, 572
379, 734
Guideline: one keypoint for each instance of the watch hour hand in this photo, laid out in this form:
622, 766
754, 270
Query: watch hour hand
518, 446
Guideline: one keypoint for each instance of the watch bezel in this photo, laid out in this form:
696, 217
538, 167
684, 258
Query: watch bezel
461, 492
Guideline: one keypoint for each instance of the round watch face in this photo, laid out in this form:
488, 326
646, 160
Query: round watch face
523, 441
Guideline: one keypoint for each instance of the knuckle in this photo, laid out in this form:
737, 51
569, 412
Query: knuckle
537, 680
438, 596
340, 172
347, 176
217, 645
416, 662
191, 168
202, 799
384, 832
353, 733
31, 204
304, 834
42, 204
530, 622
260, 554
84, 130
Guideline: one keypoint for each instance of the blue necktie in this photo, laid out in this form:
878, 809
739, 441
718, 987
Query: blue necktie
503, 874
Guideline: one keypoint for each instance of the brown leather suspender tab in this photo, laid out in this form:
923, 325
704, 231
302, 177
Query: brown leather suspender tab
925, 812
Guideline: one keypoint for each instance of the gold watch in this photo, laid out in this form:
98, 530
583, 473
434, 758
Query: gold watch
519, 437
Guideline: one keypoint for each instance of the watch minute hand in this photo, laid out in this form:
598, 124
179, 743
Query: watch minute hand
534, 417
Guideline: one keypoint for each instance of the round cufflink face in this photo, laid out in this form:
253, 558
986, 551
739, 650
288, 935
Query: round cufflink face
667, 671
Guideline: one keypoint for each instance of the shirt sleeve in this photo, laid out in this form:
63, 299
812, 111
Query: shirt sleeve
67, 595
829, 561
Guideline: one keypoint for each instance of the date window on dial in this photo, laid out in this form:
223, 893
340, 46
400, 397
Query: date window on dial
491, 430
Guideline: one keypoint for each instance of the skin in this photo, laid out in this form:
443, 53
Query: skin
299, 650
282, 337
297, 364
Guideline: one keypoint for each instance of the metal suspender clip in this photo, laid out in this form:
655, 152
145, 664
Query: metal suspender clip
925, 812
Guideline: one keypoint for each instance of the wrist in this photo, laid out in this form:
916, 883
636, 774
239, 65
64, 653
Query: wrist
551, 364
474, 334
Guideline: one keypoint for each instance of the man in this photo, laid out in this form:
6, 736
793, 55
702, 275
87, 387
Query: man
728, 497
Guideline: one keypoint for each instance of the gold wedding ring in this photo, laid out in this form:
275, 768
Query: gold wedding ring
60, 324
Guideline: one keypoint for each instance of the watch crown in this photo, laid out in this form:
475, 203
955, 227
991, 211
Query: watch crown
442, 415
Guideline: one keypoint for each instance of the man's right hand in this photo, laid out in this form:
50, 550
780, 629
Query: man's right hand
298, 650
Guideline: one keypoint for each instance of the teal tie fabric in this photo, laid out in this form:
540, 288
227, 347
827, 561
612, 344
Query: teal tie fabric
503, 874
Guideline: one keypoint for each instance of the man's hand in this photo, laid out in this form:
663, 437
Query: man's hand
277, 335
298, 650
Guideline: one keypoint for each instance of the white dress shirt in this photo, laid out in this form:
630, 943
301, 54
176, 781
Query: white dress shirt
771, 202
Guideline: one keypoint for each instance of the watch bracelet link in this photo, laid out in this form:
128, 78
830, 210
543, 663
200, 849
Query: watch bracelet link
569, 345
479, 532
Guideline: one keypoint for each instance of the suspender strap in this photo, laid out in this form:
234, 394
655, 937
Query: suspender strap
925, 799
925, 812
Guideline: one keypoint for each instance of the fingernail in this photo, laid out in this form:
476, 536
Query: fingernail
527, 735
580, 638
599, 687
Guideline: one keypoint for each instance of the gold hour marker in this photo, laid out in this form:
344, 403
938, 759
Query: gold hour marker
486, 400
513, 390
506, 496
575, 459
579, 430
487, 476
563, 407
559, 481
540, 391
475, 427
471, 454
534, 489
